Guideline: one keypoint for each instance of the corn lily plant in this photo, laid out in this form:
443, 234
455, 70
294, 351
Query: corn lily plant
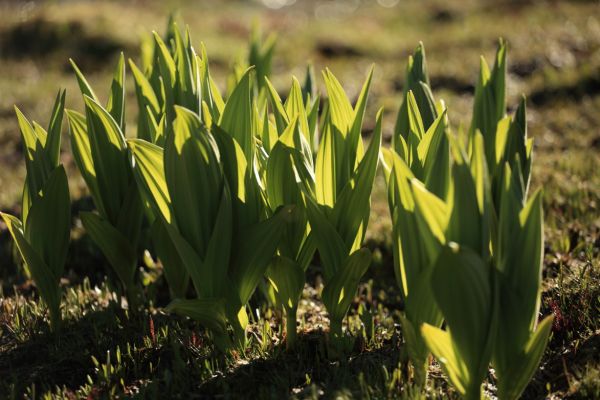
344, 180
220, 229
338, 207
421, 151
462, 279
289, 166
520, 341
42, 235
484, 285
100, 153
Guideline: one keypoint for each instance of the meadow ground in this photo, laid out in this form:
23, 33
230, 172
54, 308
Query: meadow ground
105, 351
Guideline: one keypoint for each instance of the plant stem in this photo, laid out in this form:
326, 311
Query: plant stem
290, 327
336, 338
55, 318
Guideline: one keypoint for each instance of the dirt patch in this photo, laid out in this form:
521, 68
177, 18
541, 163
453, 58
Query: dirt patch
452, 84
337, 50
586, 86
39, 38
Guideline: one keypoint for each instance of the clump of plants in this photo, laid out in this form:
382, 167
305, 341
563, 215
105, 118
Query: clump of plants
232, 190
468, 239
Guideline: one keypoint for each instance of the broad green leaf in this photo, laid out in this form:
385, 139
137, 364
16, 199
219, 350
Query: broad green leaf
513, 381
186, 79
84, 86
256, 246
37, 161
209, 312
150, 176
463, 291
294, 107
351, 210
233, 161
434, 152
340, 109
108, 149
283, 188
415, 121
116, 100
55, 129
82, 153
168, 74
279, 112
340, 290
287, 278
219, 250
194, 178
332, 248
131, 214
44, 277
48, 226
236, 118
146, 99
356, 150
432, 212
440, 344
173, 266
417, 81
327, 166
465, 224
113, 244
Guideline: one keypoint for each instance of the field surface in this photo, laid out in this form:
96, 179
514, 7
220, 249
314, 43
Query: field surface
106, 351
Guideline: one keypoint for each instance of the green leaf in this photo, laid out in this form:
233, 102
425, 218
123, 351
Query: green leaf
82, 153
256, 245
355, 152
236, 118
440, 344
146, 99
340, 290
150, 176
168, 74
332, 249
37, 161
279, 112
186, 79
233, 162
340, 109
194, 178
48, 225
209, 312
512, 386
287, 278
327, 166
294, 107
465, 225
84, 86
44, 277
219, 249
434, 152
55, 128
463, 291
173, 266
351, 211
416, 81
113, 244
116, 100
108, 150
432, 215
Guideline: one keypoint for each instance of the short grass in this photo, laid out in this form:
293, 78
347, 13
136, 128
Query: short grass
106, 351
